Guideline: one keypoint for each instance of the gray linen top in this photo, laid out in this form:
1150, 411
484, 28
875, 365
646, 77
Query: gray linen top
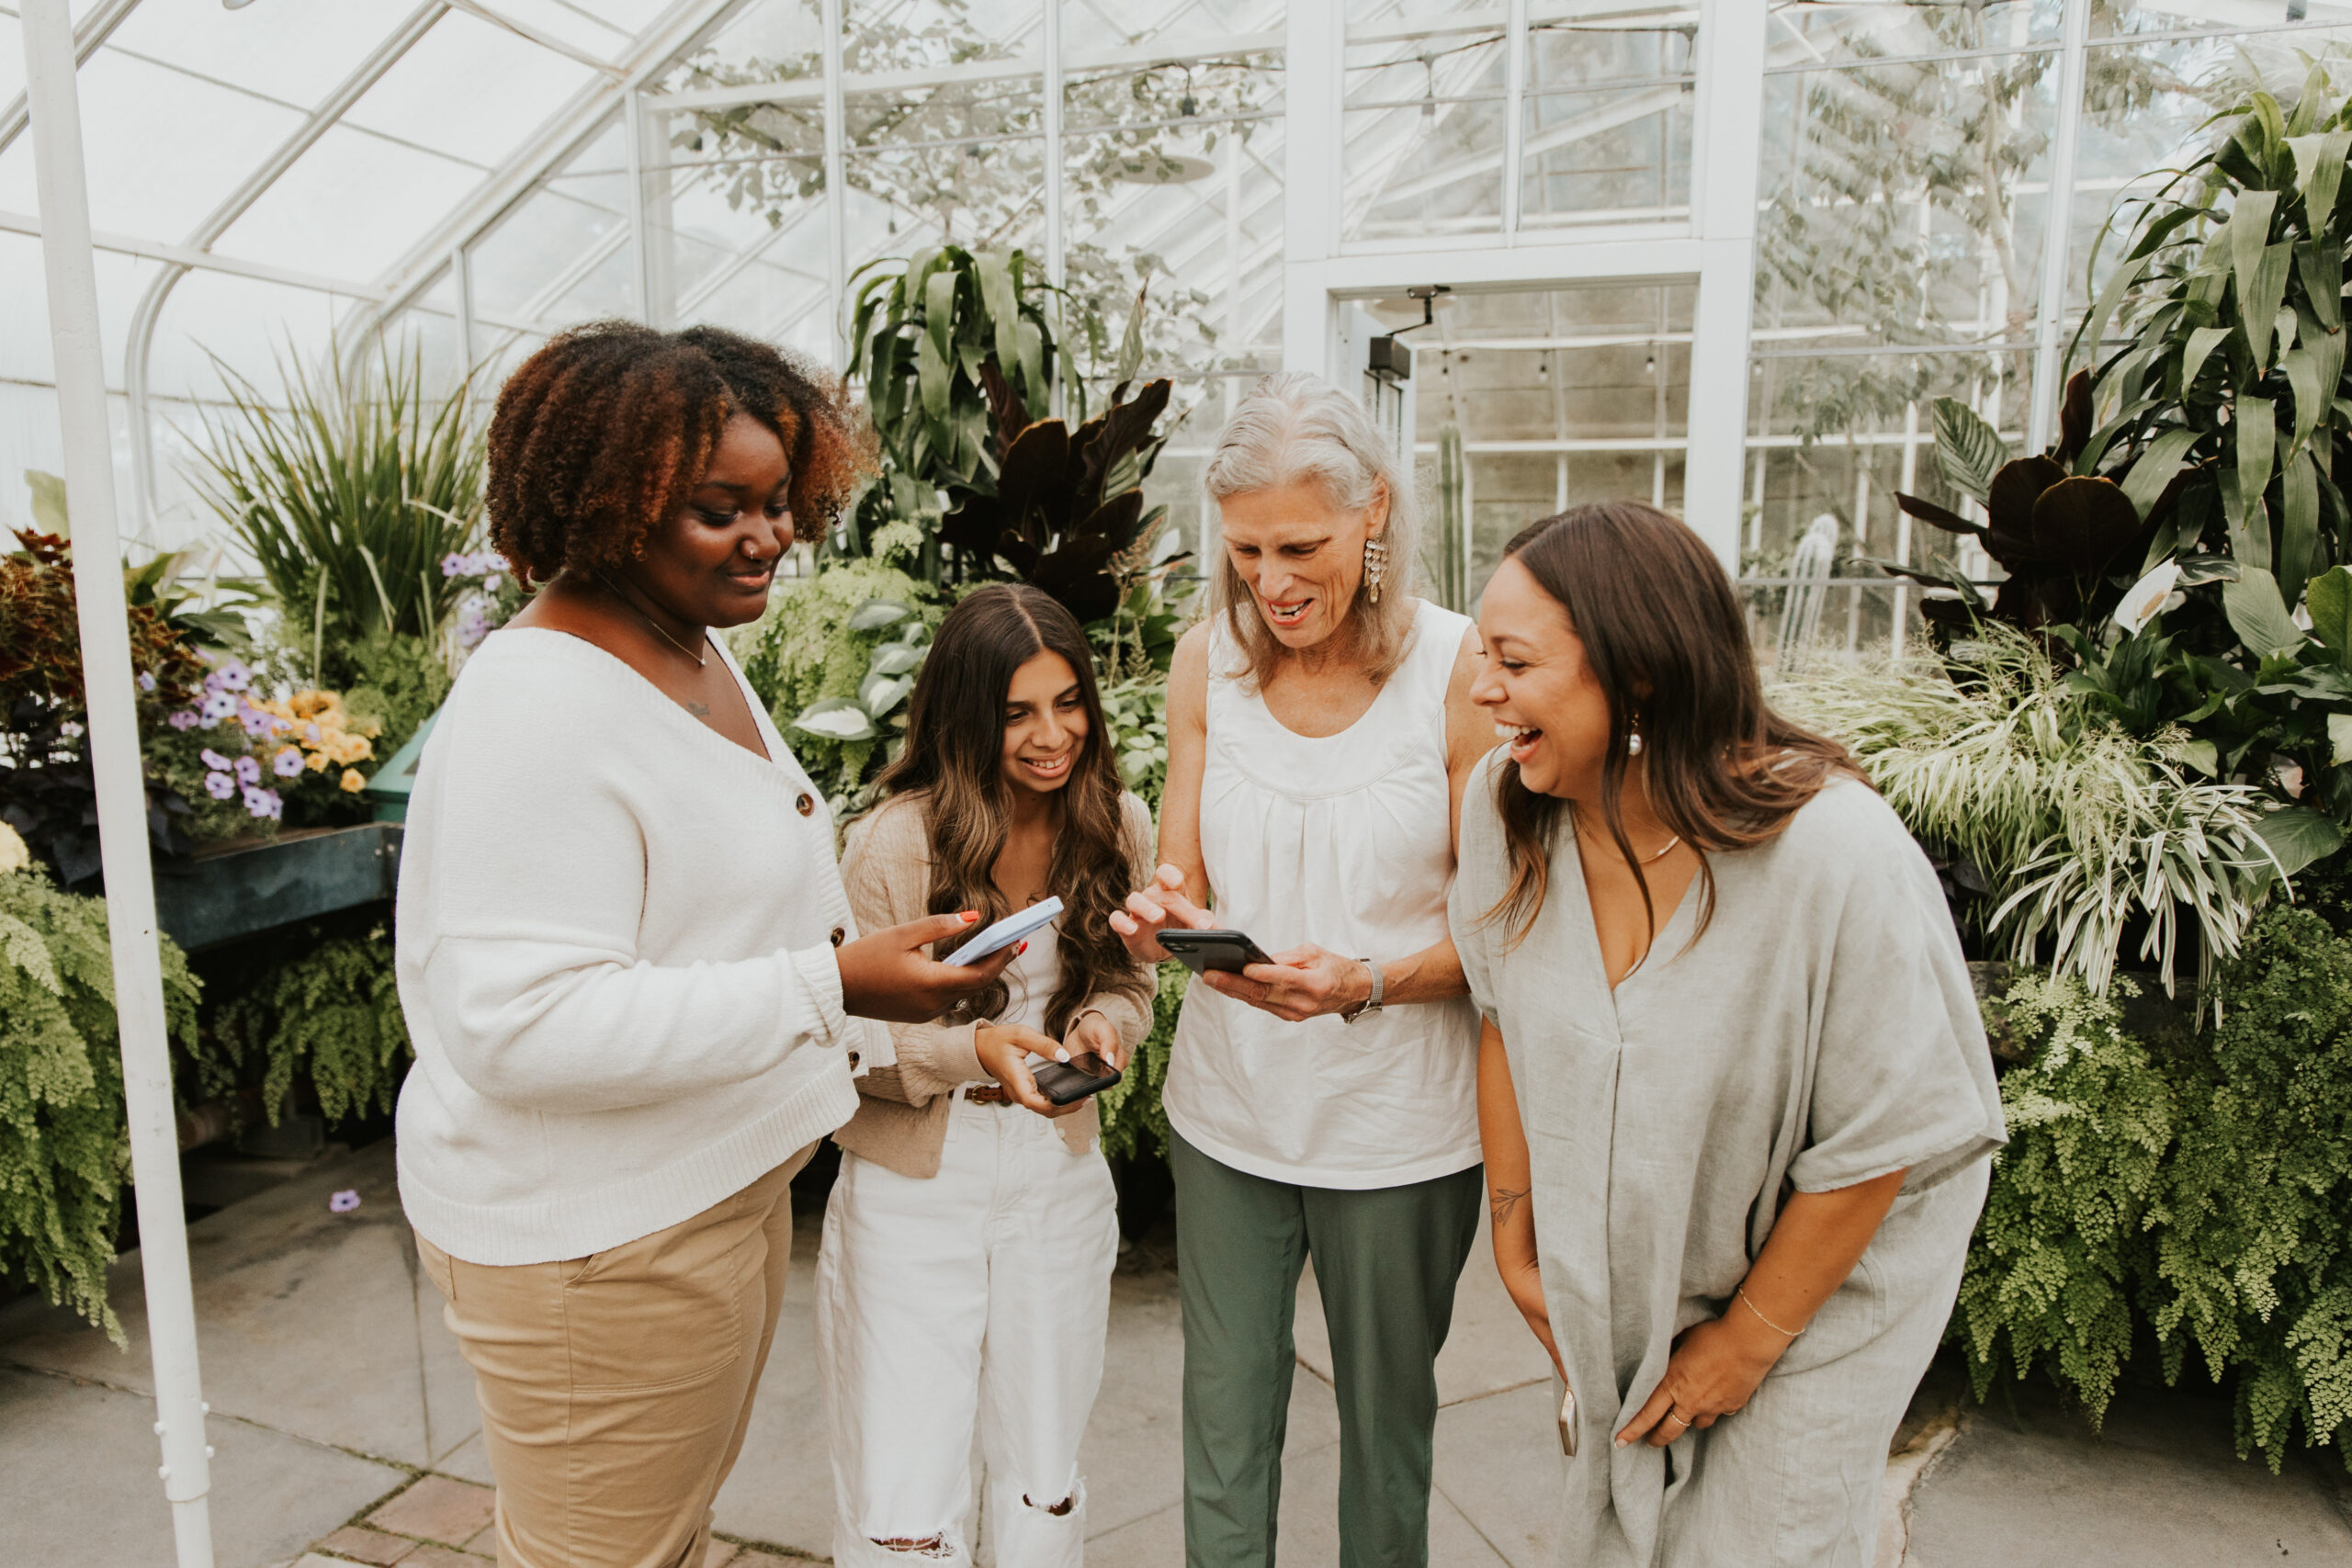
1820, 1033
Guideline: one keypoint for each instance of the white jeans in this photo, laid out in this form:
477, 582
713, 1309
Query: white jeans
980, 1296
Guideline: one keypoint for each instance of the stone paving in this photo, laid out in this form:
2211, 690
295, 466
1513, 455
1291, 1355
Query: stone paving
346, 1432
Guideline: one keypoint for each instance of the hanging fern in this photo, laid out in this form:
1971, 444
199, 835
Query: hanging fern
64, 1156
333, 1013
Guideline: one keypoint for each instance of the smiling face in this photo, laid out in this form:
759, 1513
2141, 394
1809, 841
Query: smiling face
1044, 723
1535, 682
712, 561
1300, 556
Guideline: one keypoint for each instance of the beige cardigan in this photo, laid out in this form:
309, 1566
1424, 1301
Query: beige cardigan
901, 1120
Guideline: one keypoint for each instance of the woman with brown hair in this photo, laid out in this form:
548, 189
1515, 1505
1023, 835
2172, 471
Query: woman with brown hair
964, 1279
1734, 1092
630, 972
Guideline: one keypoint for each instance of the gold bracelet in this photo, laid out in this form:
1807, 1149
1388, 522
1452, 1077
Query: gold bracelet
1741, 1292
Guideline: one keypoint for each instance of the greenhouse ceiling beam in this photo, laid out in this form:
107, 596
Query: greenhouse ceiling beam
538, 36
137, 350
811, 89
568, 130
203, 261
95, 29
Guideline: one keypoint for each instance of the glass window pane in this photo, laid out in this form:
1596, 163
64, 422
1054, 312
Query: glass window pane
569, 227
1607, 130
915, 35
1422, 122
470, 91
1092, 26
293, 51
149, 174
1856, 30
350, 207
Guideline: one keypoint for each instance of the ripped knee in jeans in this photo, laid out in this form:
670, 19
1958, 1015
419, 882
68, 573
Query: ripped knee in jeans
929, 1546
1059, 1509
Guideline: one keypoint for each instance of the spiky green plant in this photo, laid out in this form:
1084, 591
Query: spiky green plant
348, 497
2077, 827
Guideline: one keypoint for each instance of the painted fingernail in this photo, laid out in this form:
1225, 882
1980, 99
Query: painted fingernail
968, 915
1061, 1052
1022, 949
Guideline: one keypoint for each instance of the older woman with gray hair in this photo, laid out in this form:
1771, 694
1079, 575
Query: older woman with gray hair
1325, 1104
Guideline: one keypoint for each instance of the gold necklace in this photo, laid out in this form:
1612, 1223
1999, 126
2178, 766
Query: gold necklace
1664, 851
702, 661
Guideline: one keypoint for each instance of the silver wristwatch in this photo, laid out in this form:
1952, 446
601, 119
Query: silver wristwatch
1370, 1004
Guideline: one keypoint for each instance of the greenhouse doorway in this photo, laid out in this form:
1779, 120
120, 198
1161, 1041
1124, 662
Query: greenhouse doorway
1515, 403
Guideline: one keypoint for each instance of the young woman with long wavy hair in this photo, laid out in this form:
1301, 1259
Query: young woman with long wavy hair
1734, 1092
965, 1272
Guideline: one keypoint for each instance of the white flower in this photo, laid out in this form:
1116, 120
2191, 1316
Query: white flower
2144, 600
14, 856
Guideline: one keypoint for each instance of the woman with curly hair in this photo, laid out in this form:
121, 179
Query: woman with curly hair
628, 965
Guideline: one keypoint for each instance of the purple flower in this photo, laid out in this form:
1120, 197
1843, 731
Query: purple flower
234, 676
146, 681
186, 720
255, 721
220, 787
456, 565
343, 1203
288, 764
473, 624
248, 771
214, 760
262, 802
217, 707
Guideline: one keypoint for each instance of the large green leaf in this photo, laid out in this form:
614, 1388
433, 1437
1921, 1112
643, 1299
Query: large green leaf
2245, 239
1971, 451
2258, 300
2313, 396
2257, 441
1003, 302
2321, 265
2202, 342
2319, 172
2339, 737
933, 376
2298, 836
876, 614
2329, 599
2155, 467
837, 718
2257, 614
2298, 550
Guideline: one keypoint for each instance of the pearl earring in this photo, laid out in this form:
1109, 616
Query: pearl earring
1375, 566
1633, 744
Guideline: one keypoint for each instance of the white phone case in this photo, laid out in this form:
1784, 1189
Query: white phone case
1008, 930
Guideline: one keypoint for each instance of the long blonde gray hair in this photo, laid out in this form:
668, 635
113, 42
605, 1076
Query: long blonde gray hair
1294, 427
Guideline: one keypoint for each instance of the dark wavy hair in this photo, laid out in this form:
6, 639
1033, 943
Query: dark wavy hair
955, 761
603, 433
1664, 636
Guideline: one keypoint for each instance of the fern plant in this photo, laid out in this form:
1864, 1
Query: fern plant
2064, 1246
64, 1156
333, 1014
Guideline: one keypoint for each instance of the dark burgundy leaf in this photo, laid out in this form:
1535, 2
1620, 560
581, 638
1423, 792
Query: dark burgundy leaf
2075, 416
2008, 536
2080, 524
1928, 512
1006, 411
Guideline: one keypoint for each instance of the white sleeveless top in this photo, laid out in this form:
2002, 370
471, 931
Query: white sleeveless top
1343, 840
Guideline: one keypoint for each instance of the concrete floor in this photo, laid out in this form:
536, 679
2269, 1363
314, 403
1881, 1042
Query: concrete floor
334, 1385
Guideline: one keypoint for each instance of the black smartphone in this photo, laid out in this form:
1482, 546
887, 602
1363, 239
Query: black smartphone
1084, 1073
1202, 951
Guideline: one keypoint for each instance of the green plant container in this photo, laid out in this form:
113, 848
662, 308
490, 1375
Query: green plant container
297, 877
389, 789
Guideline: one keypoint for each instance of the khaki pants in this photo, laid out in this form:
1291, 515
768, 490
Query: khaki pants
616, 1388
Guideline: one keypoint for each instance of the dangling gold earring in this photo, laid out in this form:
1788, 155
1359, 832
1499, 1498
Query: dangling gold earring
1375, 566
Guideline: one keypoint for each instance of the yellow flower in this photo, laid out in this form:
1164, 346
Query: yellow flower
347, 748
354, 781
317, 761
14, 856
322, 707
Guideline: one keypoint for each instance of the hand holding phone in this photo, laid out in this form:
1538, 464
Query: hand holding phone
1202, 950
1065, 1083
1007, 932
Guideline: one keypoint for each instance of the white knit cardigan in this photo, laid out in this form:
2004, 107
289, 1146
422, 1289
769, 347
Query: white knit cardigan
615, 936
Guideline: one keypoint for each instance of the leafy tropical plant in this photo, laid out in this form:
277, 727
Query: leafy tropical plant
65, 1157
2063, 832
932, 332
2191, 523
1064, 507
349, 499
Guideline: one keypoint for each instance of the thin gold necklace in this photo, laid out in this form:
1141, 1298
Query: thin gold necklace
702, 661
1664, 849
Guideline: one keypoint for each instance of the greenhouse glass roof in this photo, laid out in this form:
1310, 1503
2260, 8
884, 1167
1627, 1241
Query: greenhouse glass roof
1714, 253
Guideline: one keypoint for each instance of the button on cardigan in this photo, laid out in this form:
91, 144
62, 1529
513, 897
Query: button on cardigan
615, 939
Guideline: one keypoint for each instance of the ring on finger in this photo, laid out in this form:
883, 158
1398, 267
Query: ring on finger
1678, 1418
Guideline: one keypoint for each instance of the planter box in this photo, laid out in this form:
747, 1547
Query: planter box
299, 876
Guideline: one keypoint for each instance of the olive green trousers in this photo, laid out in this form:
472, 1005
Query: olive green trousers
1385, 1262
